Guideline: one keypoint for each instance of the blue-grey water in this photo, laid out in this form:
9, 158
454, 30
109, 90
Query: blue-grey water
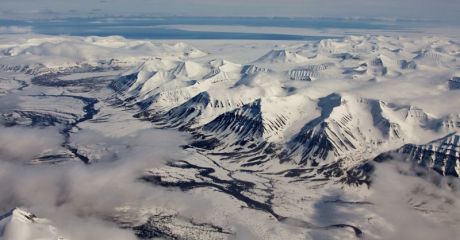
149, 27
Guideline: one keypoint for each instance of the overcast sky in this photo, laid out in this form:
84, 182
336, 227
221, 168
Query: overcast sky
422, 9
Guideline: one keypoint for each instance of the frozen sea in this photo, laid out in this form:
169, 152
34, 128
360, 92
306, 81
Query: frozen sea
166, 27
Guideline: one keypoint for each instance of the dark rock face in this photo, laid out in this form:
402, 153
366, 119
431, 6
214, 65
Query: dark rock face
313, 142
454, 83
246, 122
408, 64
123, 83
183, 115
171, 227
308, 72
442, 155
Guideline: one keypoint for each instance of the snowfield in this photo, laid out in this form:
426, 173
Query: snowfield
111, 138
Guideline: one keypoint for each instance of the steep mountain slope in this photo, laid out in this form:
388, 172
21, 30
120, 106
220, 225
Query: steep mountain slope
356, 128
268, 111
19, 224
441, 155
281, 56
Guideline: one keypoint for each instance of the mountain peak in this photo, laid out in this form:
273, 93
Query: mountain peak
20, 224
281, 56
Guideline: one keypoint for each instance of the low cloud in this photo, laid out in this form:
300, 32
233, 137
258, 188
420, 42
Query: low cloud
23, 144
77, 197
416, 202
404, 201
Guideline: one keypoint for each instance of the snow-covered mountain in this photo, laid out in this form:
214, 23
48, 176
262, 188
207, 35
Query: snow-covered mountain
58, 54
281, 56
269, 108
20, 224
441, 155
286, 140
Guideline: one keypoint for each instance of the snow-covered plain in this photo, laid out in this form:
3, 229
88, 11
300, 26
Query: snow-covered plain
110, 138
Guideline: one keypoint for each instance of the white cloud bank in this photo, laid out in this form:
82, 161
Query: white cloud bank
420, 9
75, 196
